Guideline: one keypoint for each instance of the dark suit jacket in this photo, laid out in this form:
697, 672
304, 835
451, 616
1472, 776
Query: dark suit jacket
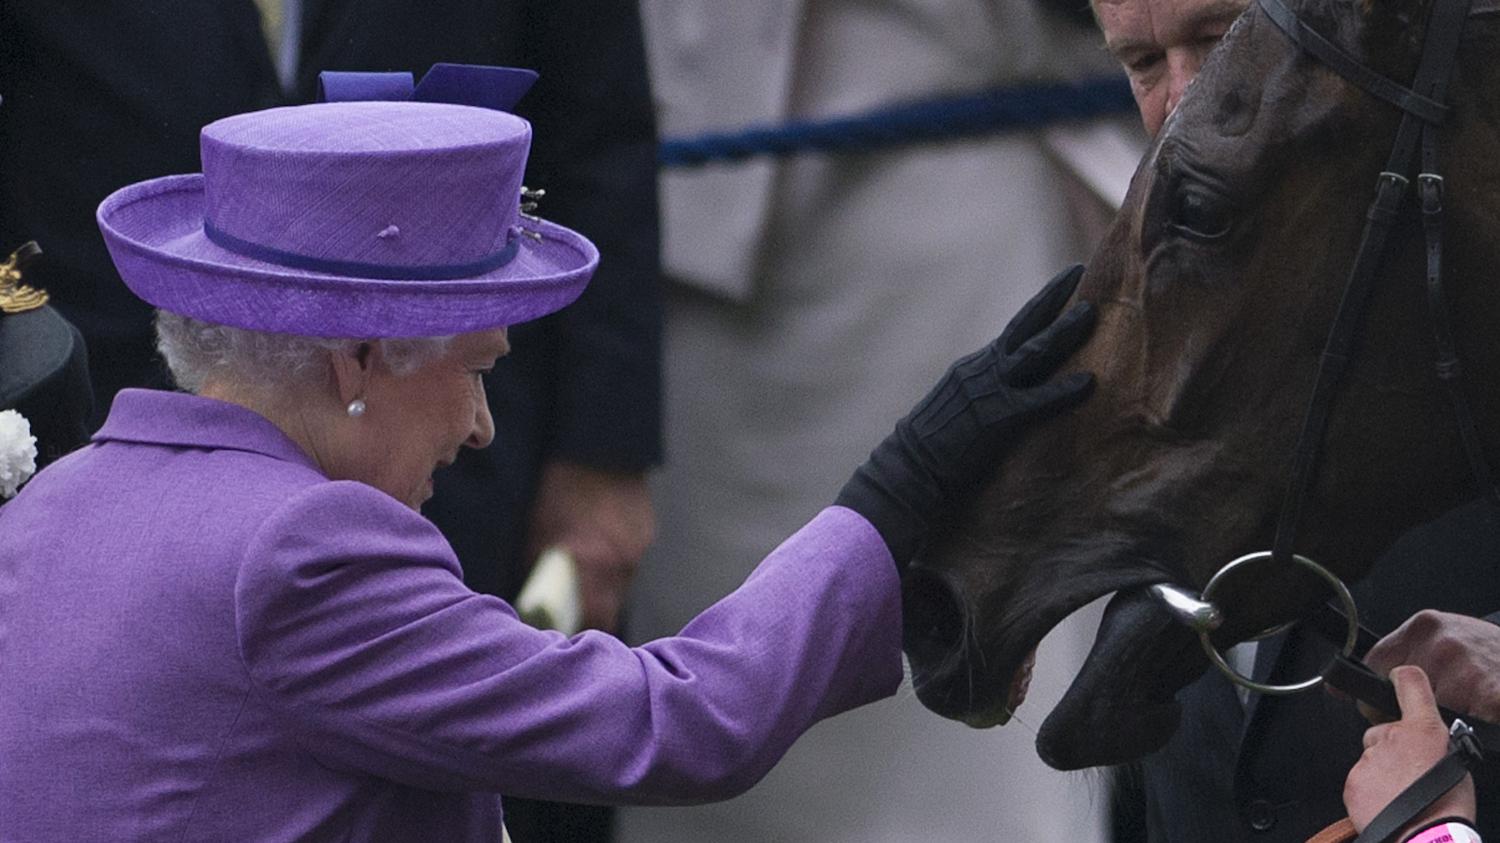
584, 384
1274, 770
97, 95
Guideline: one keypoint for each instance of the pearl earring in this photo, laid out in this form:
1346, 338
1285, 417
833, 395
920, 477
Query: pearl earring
356, 408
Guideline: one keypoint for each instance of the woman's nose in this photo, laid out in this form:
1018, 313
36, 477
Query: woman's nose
483, 432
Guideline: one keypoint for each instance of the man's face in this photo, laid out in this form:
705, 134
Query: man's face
1161, 44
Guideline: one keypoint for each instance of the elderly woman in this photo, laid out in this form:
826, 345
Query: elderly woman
226, 618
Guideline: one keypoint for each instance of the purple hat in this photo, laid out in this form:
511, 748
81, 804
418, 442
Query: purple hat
355, 219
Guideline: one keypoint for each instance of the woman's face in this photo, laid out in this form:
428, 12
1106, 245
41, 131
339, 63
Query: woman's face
415, 423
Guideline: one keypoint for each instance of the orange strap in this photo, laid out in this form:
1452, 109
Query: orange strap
1340, 832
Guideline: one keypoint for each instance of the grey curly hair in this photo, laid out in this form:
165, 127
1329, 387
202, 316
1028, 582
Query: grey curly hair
198, 351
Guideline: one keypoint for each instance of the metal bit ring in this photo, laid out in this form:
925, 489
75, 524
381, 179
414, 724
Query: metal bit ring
1345, 598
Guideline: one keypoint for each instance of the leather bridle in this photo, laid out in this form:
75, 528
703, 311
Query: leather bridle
1415, 150
1424, 112
1414, 159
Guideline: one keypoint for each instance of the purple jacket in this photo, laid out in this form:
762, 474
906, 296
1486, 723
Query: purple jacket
204, 638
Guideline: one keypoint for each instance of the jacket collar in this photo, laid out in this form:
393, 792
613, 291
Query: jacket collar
180, 420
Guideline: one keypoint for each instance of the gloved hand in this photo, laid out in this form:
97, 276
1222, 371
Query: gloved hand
953, 439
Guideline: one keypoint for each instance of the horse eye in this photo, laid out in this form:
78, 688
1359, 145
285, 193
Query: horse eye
1198, 214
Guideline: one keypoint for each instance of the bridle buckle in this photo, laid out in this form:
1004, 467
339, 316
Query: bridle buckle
1430, 191
1465, 743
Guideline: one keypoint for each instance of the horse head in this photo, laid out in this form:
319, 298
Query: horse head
1216, 288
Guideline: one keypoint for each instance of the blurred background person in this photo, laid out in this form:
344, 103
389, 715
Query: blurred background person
45, 397
96, 96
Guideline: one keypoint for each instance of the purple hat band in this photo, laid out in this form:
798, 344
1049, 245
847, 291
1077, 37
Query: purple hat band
390, 272
373, 218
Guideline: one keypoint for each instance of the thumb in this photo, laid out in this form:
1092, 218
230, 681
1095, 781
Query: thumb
1414, 694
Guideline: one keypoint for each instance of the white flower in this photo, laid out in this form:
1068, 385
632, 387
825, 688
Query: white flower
550, 598
17, 452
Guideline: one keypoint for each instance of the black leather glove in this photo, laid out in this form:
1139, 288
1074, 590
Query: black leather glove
945, 447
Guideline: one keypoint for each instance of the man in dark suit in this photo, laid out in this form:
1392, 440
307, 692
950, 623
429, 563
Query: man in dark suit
96, 96
577, 402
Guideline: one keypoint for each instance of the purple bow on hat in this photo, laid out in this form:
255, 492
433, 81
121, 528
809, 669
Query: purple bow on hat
390, 210
499, 88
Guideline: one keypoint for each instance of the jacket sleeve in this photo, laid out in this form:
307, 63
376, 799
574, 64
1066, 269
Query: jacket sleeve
594, 152
354, 627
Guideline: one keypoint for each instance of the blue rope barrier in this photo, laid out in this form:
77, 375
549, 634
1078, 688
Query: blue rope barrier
987, 112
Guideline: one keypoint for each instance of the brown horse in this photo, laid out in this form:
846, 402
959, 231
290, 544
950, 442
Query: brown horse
1216, 290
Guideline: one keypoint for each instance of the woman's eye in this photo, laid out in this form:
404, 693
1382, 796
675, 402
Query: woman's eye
1196, 213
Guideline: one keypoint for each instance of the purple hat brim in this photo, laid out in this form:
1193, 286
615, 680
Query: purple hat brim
154, 231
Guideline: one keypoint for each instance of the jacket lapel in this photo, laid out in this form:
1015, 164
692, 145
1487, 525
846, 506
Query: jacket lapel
1267, 656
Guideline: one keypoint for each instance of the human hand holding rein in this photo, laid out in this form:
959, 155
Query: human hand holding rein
1398, 753
1460, 654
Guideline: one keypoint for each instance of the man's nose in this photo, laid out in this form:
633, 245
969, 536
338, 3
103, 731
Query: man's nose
1182, 66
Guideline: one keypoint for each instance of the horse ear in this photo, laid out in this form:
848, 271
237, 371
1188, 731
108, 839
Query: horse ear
1399, 13
1394, 24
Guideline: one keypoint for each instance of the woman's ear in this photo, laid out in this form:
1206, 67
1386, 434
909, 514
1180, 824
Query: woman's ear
353, 366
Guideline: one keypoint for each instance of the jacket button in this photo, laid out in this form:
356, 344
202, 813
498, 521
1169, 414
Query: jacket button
1260, 815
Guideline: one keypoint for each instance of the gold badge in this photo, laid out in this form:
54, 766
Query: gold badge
16, 297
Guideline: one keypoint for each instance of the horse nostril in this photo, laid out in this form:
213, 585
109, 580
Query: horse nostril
933, 617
